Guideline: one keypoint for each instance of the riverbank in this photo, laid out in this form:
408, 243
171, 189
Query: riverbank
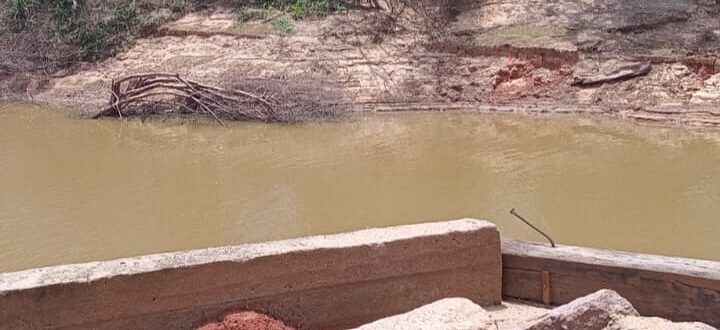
517, 56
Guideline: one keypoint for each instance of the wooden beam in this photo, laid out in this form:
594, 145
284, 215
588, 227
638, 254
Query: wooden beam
546, 298
674, 288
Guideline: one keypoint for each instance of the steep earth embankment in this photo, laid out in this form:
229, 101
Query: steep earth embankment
506, 55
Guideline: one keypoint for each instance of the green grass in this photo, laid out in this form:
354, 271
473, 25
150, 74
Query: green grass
125, 17
302, 9
297, 10
18, 14
282, 25
179, 6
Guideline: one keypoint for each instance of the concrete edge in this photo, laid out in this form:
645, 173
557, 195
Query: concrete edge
677, 289
93, 271
648, 262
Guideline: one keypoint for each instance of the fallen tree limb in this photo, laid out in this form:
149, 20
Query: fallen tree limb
145, 92
621, 73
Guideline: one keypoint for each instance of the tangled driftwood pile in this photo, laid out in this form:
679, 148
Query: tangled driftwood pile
170, 93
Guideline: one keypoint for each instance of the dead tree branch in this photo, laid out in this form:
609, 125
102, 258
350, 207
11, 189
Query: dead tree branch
145, 90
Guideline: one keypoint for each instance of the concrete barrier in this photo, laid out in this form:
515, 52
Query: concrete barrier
677, 289
323, 282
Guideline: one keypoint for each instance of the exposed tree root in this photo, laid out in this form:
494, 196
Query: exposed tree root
172, 93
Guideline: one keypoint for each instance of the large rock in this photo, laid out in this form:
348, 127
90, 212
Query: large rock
710, 91
654, 323
446, 314
592, 312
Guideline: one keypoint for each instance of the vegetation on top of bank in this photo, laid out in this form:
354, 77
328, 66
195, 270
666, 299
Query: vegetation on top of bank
282, 25
289, 10
301, 9
48, 35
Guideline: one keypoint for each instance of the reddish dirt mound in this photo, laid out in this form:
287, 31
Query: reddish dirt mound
246, 321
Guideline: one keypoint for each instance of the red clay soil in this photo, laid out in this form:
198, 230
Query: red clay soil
246, 321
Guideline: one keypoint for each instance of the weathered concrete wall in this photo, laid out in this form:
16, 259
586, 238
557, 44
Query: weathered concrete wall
322, 282
673, 288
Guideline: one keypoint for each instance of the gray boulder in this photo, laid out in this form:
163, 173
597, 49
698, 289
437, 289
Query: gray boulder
592, 312
655, 323
446, 314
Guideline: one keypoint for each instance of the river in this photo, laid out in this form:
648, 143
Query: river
80, 190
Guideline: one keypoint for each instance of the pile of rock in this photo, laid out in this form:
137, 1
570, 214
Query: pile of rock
246, 321
603, 310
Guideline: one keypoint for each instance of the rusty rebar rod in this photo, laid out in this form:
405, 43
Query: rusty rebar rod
552, 242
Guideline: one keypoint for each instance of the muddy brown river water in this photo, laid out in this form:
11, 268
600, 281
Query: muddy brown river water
79, 190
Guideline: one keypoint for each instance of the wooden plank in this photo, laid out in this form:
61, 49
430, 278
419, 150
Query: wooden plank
521, 284
546, 288
674, 288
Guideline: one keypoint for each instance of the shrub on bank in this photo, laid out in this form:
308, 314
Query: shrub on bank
42, 35
47, 35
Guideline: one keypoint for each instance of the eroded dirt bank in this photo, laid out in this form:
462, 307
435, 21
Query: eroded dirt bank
503, 55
